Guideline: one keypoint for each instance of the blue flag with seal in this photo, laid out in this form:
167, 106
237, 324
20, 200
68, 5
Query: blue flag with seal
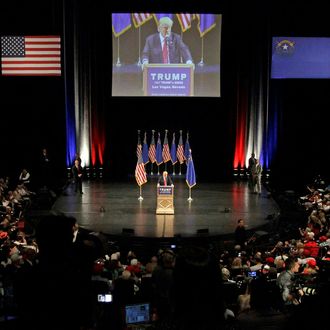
190, 175
120, 23
159, 151
173, 150
145, 150
187, 148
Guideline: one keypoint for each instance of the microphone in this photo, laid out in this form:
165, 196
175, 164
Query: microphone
167, 40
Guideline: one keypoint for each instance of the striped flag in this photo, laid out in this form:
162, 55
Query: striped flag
120, 23
159, 156
187, 148
145, 153
31, 55
152, 148
173, 150
166, 149
190, 175
185, 21
180, 150
138, 146
206, 23
140, 18
140, 172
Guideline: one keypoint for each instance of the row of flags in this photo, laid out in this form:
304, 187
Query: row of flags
162, 154
31, 55
122, 22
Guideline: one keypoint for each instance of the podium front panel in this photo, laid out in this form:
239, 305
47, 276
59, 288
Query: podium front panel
165, 203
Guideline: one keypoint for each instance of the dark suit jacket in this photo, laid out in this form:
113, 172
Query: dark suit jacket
168, 181
177, 48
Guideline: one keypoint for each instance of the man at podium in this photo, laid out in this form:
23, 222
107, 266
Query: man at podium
165, 180
165, 191
165, 46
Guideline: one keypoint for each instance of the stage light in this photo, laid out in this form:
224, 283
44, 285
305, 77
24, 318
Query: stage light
88, 174
94, 172
101, 172
68, 171
235, 172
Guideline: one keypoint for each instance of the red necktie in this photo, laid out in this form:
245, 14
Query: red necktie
165, 52
164, 181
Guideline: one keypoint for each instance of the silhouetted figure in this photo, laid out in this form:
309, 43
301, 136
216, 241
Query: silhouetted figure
55, 294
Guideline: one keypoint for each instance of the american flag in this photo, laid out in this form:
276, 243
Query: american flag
152, 149
140, 18
185, 21
166, 150
180, 150
140, 172
31, 55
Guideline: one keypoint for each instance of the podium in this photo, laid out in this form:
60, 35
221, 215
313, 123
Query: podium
168, 79
165, 200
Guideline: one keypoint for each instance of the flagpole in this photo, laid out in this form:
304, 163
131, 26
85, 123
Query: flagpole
180, 169
140, 197
139, 60
189, 198
118, 52
151, 166
158, 169
173, 169
201, 63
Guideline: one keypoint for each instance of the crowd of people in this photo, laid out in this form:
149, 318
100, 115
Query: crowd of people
57, 274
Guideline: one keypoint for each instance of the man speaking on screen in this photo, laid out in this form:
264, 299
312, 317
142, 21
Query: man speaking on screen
165, 46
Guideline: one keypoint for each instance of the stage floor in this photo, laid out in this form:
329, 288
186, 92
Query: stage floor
207, 210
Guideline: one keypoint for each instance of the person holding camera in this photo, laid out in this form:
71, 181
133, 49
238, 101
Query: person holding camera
286, 283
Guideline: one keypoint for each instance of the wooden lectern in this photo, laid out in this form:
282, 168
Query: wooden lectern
165, 200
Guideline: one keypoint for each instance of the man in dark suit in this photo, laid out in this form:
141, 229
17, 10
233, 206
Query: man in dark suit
165, 46
77, 173
165, 180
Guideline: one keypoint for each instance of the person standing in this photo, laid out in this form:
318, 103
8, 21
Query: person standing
256, 176
45, 172
165, 180
240, 234
77, 173
251, 169
165, 46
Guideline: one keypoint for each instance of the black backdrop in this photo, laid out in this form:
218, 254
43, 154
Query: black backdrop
33, 112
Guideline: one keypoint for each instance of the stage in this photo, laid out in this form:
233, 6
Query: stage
114, 208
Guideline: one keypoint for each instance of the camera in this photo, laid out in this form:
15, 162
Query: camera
252, 274
173, 246
104, 298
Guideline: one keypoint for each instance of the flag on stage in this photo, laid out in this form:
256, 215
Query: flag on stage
185, 21
138, 146
140, 172
173, 150
159, 156
206, 23
31, 55
190, 175
166, 149
180, 150
140, 18
145, 153
120, 23
187, 148
152, 149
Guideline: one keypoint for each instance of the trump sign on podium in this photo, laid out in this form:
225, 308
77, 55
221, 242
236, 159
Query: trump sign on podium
168, 79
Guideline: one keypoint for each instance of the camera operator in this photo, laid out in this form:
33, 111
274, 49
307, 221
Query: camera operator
286, 282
